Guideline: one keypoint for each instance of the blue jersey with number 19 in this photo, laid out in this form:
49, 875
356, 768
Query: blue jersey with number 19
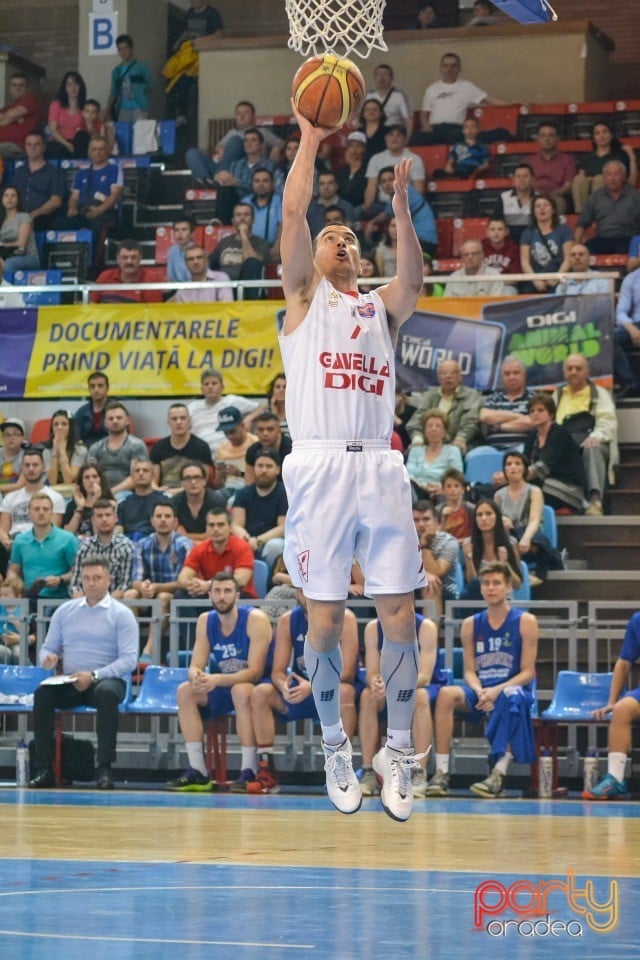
497, 652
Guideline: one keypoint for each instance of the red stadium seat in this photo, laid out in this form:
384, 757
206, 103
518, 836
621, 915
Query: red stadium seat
273, 271
434, 158
470, 228
40, 431
444, 227
492, 118
165, 239
211, 236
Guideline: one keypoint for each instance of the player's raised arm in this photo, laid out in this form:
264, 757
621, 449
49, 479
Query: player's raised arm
401, 295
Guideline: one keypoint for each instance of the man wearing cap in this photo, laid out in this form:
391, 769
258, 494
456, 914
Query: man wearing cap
395, 137
351, 177
11, 455
230, 455
259, 509
204, 412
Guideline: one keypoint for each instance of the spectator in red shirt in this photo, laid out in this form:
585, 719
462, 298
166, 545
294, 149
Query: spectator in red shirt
221, 552
18, 118
500, 249
553, 170
129, 271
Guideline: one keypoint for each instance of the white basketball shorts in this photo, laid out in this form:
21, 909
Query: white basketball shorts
349, 499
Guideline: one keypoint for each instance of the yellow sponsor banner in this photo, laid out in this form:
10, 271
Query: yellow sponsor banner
154, 349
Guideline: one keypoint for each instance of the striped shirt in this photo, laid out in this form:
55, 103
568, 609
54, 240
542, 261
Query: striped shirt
118, 553
151, 563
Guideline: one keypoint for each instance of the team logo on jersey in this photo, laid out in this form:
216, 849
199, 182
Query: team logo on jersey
303, 565
366, 311
334, 298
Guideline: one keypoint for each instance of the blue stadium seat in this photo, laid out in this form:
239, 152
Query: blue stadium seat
550, 525
158, 690
524, 590
481, 463
17, 686
261, 577
576, 696
38, 278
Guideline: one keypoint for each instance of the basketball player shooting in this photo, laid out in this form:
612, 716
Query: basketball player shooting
349, 493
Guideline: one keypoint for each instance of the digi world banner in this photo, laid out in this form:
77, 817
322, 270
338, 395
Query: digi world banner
161, 349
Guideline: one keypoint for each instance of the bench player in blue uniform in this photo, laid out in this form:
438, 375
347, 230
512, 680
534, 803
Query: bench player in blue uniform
238, 638
499, 647
373, 703
623, 709
289, 693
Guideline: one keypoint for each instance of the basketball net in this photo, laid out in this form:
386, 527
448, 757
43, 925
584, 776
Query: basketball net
340, 27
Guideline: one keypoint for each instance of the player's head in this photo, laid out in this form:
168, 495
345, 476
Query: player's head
337, 251
224, 592
495, 581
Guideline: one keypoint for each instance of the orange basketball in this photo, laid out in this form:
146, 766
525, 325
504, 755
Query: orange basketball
327, 91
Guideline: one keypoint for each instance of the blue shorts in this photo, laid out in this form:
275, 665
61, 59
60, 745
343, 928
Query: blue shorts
305, 710
632, 693
219, 703
433, 689
471, 698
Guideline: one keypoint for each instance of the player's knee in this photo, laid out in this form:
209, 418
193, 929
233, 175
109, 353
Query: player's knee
185, 694
241, 695
422, 698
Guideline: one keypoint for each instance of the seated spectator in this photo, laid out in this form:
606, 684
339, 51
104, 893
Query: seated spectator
514, 205
351, 176
14, 510
238, 638
553, 170
395, 136
381, 211
468, 158
403, 412
130, 272
39, 184
115, 454
158, 560
243, 254
195, 501
267, 428
372, 709
472, 255
394, 102
196, 262
445, 104
427, 462
579, 257
100, 667
230, 455
18, 118
440, 552
131, 81
62, 456
500, 249
170, 454
545, 244
134, 512
489, 543
267, 210
220, 552
91, 113
427, 17
326, 197
460, 404
67, 130
183, 230
626, 335
288, 694
606, 146
11, 453
10, 616
91, 486
231, 146
89, 418
233, 184
95, 196
497, 687
277, 600
276, 394
504, 414
484, 15
43, 556
521, 505
8, 300
372, 123
588, 413
17, 240
259, 509
454, 513
555, 458
204, 413
289, 152
615, 210
387, 251
622, 711
110, 546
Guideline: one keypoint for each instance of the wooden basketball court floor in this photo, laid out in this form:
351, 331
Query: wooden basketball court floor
142, 873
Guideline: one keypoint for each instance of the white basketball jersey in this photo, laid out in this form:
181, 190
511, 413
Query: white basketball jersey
340, 369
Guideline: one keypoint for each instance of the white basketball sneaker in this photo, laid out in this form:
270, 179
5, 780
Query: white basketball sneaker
394, 767
343, 787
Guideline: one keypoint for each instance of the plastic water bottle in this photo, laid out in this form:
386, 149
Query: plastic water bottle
590, 770
22, 764
545, 775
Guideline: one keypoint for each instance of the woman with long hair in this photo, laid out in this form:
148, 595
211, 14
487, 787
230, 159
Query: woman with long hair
522, 504
545, 243
489, 541
91, 486
387, 251
372, 121
606, 146
62, 456
17, 240
276, 394
66, 119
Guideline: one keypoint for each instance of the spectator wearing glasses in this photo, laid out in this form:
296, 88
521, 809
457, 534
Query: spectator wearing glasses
195, 501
